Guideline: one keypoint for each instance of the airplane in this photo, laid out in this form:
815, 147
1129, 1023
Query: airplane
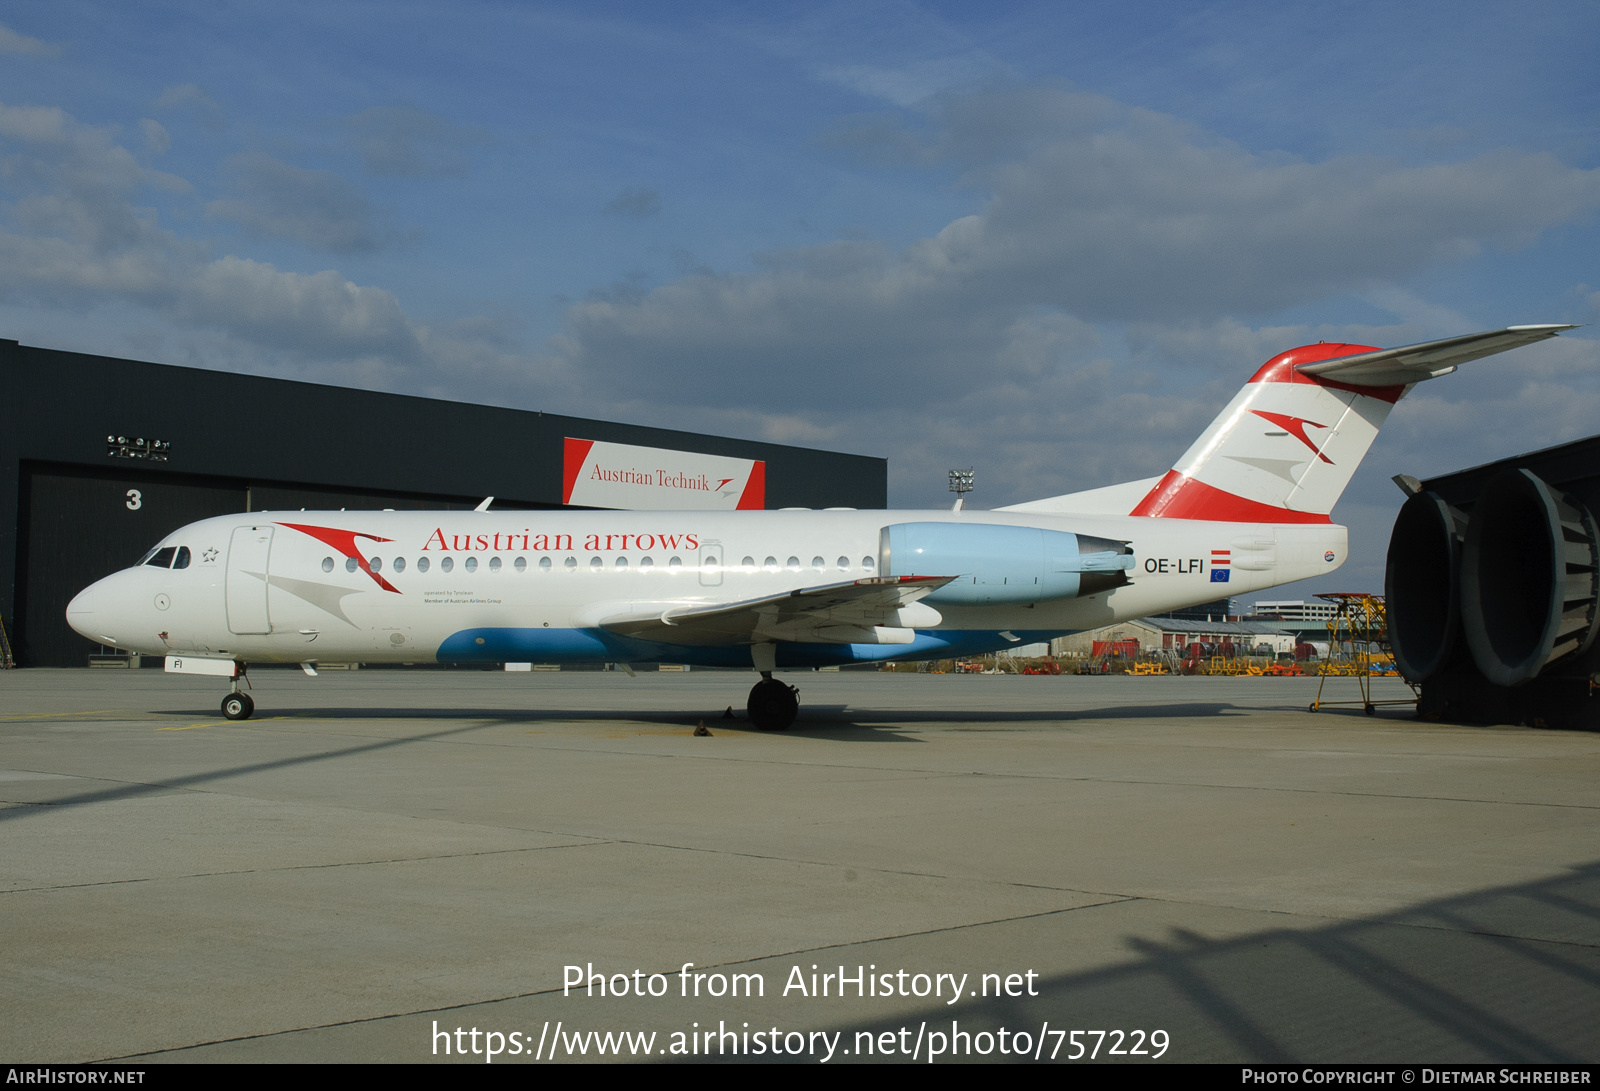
1248, 506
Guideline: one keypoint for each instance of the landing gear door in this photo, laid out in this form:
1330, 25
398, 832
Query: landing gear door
248, 553
710, 564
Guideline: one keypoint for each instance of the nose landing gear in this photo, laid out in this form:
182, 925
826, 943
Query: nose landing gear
773, 705
237, 705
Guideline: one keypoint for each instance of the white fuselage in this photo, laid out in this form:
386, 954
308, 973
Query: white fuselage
490, 586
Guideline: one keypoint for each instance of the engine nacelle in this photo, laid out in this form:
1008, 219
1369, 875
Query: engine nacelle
997, 565
1421, 585
1530, 582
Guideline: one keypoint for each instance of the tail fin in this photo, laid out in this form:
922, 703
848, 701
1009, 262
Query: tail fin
1287, 445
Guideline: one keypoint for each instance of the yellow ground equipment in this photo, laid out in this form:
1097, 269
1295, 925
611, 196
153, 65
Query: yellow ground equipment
1358, 647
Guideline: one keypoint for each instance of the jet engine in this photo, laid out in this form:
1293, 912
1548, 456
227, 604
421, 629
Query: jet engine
1003, 564
1421, 585
1530, 583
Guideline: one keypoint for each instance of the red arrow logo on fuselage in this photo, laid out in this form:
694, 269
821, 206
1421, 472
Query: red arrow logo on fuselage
345, 542
1296, 427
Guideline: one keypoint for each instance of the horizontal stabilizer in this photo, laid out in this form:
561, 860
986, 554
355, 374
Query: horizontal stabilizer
1414, 363
1107, 500
839, 613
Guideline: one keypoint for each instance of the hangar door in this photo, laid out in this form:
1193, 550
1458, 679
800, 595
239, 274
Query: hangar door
82, 525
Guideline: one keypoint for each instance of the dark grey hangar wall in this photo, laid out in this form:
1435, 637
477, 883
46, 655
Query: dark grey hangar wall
75, 507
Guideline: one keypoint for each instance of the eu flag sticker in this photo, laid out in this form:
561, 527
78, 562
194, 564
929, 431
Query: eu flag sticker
1219, 575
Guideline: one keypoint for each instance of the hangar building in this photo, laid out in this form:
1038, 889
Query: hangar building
101, 457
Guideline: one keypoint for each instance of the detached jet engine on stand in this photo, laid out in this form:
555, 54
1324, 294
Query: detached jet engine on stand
1493, 590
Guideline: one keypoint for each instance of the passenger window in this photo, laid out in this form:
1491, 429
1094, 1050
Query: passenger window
597, 563
844, 564
794, 564
520, 564
749, 564
544, 563
183, 558
376, 564
646, 562
676, 562
494, 564
399, 564
866, 564
351, 564
771, 564
571, 563
327, 564
422, 564
472, 564
162, 558
818, 564
446, 563
622, 562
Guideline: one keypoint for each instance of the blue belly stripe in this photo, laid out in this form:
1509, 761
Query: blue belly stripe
515, 645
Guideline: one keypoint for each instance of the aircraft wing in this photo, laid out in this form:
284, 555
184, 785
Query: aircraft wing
1414, 363
877, 610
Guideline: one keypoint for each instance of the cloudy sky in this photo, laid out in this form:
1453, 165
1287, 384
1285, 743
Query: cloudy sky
1045, 240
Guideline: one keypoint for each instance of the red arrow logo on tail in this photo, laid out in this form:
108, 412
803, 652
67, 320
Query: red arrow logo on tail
1296, 427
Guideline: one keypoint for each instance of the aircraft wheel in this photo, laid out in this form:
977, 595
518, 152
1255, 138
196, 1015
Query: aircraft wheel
773, 705
238, 706
1371, 710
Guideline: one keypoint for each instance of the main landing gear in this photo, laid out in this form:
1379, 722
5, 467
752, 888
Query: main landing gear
773, 705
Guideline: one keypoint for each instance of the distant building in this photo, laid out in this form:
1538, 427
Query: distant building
1220, 610
1157, 634
1297, 610
1308, 619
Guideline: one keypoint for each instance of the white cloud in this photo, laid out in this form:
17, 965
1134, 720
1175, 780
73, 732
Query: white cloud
985, 342
1097, 212
914, 82
407, 142
12, 42
156, 137
315, 208
634, 203
76, 239
188, 98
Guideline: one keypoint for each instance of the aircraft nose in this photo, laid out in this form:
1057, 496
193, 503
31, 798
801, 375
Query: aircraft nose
99, 612
80, 611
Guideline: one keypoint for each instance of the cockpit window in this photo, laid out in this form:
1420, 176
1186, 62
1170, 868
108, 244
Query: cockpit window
183, 558
151, 552
162, 558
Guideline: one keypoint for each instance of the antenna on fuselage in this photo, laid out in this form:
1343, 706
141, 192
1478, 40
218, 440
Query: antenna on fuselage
960, 484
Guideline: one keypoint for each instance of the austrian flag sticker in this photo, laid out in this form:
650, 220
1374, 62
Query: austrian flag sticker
1220, 560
